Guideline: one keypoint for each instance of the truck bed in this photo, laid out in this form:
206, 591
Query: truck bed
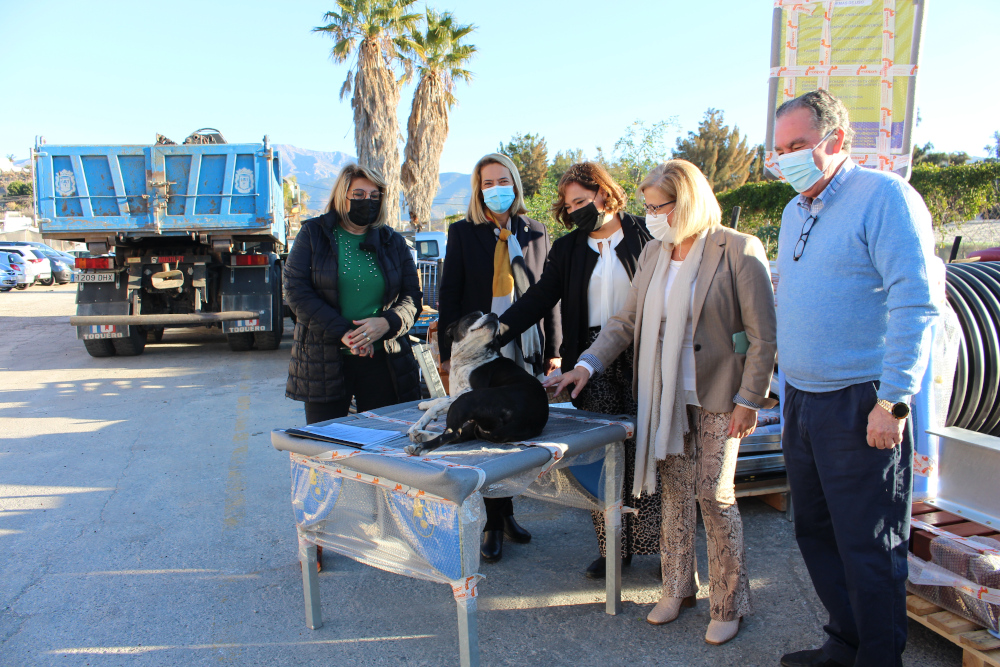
138, 191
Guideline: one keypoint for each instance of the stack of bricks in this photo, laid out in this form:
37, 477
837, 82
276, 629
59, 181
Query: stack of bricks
920, 540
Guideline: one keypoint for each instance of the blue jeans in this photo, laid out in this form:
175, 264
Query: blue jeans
852, 520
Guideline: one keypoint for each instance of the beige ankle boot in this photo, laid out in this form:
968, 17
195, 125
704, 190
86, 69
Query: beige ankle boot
720, 632
668, 609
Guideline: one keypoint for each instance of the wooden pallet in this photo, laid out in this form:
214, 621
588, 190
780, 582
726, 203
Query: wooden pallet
979, 647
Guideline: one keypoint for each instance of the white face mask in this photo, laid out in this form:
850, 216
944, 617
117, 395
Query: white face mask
659, 226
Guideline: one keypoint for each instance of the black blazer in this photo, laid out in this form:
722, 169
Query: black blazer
315, 371
467, 281
567, 278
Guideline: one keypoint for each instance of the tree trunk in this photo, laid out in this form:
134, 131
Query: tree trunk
427, 130
376, 130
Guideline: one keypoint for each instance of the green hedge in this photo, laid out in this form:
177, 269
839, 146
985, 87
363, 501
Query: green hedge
952, 194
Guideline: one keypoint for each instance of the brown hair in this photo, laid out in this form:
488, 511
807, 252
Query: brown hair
591, 176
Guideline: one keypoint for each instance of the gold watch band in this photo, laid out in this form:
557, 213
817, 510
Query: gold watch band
887, 406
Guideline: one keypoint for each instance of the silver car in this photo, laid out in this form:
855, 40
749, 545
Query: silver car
18, 266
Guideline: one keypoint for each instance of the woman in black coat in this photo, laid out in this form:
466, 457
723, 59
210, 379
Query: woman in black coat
492, 258
590, 271
354, 289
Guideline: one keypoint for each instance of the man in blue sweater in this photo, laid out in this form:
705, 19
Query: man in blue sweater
855, 307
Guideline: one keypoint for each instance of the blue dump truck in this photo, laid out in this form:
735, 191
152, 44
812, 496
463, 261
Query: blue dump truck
179, 236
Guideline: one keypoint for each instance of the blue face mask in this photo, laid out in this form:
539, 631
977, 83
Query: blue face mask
799, 168
499, 197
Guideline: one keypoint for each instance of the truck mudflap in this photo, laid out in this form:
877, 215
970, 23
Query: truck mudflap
251, 291
106, 301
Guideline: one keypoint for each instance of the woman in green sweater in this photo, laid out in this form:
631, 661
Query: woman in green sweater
352, 283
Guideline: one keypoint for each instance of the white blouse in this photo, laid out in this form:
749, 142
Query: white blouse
609, 283
687, 347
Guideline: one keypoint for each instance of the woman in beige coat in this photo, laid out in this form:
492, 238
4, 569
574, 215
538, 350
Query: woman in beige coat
701, 316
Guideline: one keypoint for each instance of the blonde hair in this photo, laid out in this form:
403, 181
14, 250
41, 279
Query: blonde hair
477, 207
696, 208
338, 196
595, 178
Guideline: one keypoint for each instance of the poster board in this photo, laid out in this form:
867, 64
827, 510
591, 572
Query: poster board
866, 53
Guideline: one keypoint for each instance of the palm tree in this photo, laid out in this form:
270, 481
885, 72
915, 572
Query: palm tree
377, 32
440, 58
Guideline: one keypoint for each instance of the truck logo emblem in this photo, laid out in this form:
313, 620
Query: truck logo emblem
244, 181
65, 183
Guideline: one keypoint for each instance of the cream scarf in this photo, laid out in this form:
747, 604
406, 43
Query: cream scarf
662, 408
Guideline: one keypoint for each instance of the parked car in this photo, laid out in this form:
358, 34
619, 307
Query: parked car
39, 269
18, 266
8, 276
63, 265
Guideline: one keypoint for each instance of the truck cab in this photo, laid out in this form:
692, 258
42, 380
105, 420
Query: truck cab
430, 245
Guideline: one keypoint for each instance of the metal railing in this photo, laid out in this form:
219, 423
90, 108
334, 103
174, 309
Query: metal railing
430, 279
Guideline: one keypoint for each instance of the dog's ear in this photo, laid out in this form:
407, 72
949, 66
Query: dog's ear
451, 329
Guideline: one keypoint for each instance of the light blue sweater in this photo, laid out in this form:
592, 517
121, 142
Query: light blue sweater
859, 304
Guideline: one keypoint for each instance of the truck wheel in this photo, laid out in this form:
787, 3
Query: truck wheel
240, 342
101, 347
131, 345
48, 283
271, 340
22, 286
154, 335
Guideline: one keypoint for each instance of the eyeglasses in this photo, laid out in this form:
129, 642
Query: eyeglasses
653, 209
807, 226
375, 195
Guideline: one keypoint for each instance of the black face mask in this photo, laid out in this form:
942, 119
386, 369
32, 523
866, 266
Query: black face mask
364, 211
588, 219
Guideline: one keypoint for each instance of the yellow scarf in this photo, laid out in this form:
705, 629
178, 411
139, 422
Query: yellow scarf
503, 278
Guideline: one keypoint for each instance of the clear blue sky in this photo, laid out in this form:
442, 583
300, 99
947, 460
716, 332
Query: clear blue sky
116, 71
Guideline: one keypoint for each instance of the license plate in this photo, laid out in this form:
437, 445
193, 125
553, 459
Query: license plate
94, 278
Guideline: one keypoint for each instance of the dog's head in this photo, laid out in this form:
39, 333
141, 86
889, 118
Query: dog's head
473, 333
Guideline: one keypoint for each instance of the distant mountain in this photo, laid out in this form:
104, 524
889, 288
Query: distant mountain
317, 170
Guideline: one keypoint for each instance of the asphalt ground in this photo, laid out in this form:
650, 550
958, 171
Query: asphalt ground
145, 519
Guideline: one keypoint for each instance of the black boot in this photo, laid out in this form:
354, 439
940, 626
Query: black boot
492, 547
598, 569
514, 532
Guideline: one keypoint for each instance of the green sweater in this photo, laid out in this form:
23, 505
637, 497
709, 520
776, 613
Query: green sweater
360, 282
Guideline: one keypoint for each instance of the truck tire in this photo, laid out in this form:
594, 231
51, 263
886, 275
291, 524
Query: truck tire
241, 341
271, 340
102, 347
154, 335
131, 345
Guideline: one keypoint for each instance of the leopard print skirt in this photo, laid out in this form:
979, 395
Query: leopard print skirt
610, 392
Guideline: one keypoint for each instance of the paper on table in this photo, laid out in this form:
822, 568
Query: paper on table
355, 436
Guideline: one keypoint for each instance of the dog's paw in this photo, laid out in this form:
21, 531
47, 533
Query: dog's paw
414, 450
418, 436
426, 405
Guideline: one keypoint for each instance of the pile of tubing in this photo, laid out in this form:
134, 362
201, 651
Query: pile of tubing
974, 294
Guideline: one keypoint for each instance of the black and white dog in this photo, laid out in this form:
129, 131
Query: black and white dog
492, 398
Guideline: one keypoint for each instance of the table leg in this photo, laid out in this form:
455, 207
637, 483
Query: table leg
612, 531
310, 584
468, 633
465, 593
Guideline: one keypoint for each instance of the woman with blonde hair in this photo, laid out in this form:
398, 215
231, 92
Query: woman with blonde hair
701, 317
589, 273
492, 258
352, 284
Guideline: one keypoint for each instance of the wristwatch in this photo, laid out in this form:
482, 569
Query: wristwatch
898, 410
